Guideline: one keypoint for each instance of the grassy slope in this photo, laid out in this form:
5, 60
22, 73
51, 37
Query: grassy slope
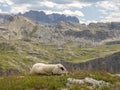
21, 55
90, 53
27, 82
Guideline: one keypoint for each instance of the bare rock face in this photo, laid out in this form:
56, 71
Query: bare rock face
20, 27
16, 27
41, 17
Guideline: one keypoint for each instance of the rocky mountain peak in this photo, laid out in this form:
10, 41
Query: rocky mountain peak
21, 19
15, 23
54, 18
4, 17
16, 27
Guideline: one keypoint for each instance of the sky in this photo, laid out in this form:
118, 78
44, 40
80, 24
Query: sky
85, 10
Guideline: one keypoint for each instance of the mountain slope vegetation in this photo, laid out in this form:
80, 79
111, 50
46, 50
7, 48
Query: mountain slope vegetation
24, 42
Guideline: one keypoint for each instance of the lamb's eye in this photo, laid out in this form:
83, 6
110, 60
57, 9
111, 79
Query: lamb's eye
62, 68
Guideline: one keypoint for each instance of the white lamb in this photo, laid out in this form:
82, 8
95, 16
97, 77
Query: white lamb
48, 69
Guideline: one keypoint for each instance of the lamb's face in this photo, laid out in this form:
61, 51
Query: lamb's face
62, 69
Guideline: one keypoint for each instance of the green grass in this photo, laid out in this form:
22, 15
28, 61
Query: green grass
32, 83
42, 82
22, 55
89, 53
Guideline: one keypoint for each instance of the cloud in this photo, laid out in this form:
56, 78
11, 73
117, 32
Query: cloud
110, 5
72, 1
91, 1
111, 10
9, 2
66, 12
103, 11
78, 5
88, 21
22, 8
54, 5
49, 4
72, 9
85, 10
63, 1
113, 17
73, 13
54, 1
26, 1
2, 1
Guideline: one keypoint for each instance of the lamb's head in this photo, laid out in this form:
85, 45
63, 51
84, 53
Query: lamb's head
60, 69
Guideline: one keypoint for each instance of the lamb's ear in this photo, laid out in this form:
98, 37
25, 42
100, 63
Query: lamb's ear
55, 70
62, 68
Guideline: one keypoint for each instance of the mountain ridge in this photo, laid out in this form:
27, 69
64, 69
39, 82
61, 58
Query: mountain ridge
63, 32
44, 18
41, 17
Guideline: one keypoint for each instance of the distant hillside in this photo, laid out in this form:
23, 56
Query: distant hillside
109, 63
16, 27
24, 42
20, 27
43, 18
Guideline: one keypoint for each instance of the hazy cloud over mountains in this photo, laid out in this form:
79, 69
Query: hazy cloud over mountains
85, 10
